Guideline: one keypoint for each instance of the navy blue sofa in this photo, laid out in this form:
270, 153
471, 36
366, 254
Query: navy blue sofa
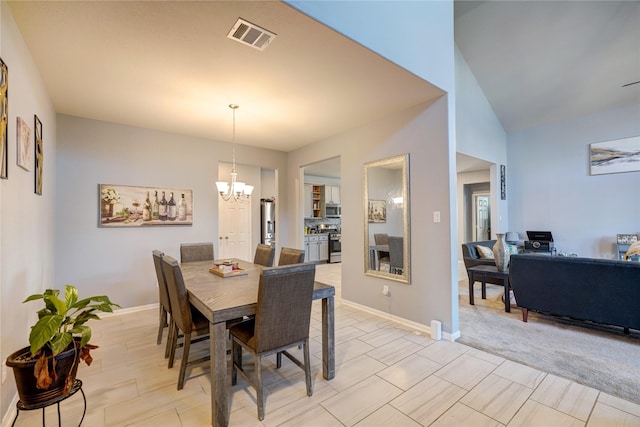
598, 290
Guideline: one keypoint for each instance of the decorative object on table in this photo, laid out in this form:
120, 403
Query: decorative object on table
620, 155
501, 253
227, 268
539, 241
503, 183
132, 206
377, 211
39, 154
58, 341
23, 149
4, 119
237, 190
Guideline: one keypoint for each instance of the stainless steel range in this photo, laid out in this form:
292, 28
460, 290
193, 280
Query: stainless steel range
335, 247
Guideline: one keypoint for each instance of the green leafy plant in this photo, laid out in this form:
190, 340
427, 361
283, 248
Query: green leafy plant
61, 322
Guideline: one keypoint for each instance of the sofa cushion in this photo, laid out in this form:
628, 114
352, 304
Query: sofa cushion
484, 252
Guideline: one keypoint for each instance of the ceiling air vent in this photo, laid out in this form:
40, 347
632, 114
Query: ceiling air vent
250, 34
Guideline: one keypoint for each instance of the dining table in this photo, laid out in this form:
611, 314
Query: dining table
225, 299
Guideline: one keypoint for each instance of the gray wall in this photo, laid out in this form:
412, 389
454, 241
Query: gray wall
479, 134
117, 261
421, 132
26, 219
553, 190
426, 132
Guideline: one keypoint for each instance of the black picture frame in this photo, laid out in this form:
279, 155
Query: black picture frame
503, 183
39, 155
4, 119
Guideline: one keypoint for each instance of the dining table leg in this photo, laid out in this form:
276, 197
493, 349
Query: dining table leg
218, 367
328, 339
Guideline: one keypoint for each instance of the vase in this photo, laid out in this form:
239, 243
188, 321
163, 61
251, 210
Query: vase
107, 210
501, 253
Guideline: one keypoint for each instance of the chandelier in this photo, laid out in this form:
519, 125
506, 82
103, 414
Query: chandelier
236, 190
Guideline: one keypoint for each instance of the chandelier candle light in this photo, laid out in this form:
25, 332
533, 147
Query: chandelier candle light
238, 190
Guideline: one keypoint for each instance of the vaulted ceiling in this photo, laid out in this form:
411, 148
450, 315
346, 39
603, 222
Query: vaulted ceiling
168, 65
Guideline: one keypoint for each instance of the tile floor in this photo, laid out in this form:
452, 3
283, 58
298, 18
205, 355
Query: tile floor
386, 375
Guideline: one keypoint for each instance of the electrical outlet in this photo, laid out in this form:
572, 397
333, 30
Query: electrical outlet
385, 290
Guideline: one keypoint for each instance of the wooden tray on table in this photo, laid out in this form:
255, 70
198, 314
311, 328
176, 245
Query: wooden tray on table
218, 271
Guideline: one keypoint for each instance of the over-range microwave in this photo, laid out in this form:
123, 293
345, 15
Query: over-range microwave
332, 211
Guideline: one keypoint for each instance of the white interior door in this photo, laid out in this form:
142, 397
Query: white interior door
235, 230
481, 218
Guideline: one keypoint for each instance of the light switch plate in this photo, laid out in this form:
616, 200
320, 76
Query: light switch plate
436, 216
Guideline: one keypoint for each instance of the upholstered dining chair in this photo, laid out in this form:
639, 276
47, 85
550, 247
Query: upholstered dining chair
283, 313
193, 325
382, 239
264, 255
396, 254
290, 256
191, 252
165, 306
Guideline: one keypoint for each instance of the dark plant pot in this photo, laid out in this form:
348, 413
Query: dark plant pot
23, 365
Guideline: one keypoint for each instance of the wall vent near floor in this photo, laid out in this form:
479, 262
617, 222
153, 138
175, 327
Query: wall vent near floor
250, 34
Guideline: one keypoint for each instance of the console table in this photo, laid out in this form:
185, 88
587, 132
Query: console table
481, 272
77, 386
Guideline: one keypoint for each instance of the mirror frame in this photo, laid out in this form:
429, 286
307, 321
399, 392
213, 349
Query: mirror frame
403, 161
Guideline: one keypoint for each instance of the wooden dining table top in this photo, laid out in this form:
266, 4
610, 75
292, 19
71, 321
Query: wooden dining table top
227, 298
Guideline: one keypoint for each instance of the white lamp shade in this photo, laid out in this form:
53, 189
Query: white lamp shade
512, 236
222, 186
248, 189
238, 187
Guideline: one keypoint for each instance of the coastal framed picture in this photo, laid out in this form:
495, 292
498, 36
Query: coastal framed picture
620, 155
134, 206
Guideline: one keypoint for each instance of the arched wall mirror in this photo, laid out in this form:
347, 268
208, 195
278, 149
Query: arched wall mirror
386, 218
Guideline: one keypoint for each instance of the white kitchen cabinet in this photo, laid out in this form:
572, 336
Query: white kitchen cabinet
316, 248
308, 200
312, 248
332, 194
323, 246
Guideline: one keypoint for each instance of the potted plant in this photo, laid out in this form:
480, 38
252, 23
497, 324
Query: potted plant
58, 341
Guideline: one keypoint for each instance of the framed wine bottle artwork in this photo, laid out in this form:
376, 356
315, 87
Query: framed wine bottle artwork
135, 206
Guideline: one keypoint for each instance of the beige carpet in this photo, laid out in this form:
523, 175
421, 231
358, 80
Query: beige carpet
594, 355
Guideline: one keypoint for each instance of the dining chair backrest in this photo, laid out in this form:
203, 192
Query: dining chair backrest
264, 255
180, 306
290, 256
283, 311
396, 252
191, 252
162, 281
381, 238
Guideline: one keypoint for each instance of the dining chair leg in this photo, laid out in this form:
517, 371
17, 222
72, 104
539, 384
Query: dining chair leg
167, 349
162, 322
278, 360
236, 351
185, 360
307, 368
259, 389
174, 344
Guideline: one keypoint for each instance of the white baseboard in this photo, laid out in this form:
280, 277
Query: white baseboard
417, 326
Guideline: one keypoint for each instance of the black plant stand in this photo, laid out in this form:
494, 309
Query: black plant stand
77, 386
